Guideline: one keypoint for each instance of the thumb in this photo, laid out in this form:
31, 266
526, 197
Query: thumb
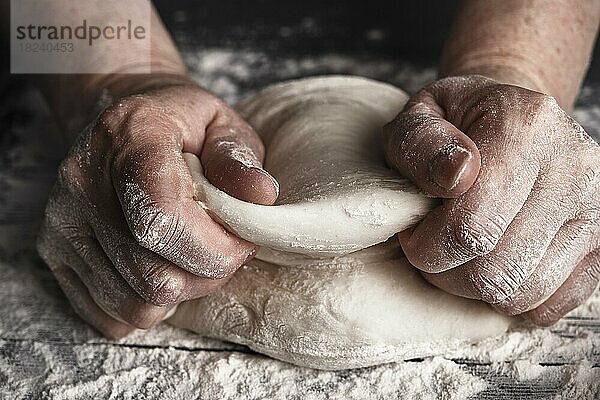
232, 158
426, 148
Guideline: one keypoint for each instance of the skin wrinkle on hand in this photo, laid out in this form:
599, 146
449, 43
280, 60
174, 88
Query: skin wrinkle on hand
495, 286
527, 298
539, 169
477, 236
161, 231
106, 290
108, 200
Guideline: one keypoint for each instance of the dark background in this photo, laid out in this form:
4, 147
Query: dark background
415, 28
413, 31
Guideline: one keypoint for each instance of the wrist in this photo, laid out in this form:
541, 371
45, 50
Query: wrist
78, 99
504, 69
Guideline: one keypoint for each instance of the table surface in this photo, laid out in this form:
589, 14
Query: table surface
46, 351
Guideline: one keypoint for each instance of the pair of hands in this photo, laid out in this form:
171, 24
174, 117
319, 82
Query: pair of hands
519, 227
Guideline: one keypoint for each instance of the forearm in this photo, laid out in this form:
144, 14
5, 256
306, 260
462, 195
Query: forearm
542, 45
73, 97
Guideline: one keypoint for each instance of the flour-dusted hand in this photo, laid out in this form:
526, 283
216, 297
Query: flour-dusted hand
520, 224
122, 233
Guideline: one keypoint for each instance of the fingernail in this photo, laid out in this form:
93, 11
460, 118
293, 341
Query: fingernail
238, 152
273, 180
448, 166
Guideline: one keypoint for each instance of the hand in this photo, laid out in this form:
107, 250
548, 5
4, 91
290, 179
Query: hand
520, 224
122, 232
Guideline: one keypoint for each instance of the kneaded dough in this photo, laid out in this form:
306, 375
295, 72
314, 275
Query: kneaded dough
327, 288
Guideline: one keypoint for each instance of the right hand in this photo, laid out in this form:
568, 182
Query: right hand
122, 232
519, 223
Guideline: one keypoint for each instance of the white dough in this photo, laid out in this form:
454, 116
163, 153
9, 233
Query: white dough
318, 294
324, 148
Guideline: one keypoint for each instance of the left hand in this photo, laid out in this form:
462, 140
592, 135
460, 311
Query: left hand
519, 226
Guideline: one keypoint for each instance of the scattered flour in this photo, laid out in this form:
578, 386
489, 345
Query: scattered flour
174, 375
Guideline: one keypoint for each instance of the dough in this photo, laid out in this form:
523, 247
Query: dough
327, 288
323, 147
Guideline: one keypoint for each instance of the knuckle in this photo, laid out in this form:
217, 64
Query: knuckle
51, 248
129, 118
71, 174
110, 119
476, 234
542, 112
151, 221
545, 103
545, 113
161, 286
590, 175
545, 315
141, 316
491, 289
579, 182
116, 114
513, 304
496, 283
531, 108
503, 98
592, 272
154, 227
221, 107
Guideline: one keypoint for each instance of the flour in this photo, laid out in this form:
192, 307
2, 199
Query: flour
243, 154
580, 381
232, 74
62, 369
432, 378
231, 376
525, 370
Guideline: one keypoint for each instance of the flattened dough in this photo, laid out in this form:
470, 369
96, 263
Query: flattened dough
326, 289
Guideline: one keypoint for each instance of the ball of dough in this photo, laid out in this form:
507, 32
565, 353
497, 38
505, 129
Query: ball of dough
326, 289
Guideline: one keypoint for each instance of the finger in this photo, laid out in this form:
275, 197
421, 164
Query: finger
497, 275
85, 307
231, 152
155, 191
232, 158
110, 291
423, 146
570, 245
471, 226
575, 291
157, 280
105, 285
